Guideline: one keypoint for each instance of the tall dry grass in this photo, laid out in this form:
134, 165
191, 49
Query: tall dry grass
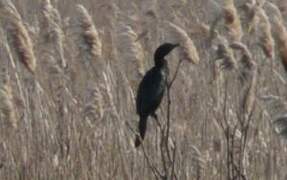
75, 118
51, 31
8, 110
232, 20
89, 34
19, 35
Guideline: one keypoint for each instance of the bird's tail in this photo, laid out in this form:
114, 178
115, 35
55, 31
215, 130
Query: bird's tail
142, 130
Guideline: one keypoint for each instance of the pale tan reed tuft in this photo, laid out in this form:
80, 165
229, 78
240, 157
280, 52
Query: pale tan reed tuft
131, 53
225, 55
266, 39
259, 21
91, 41
93, 110
8, 8
188, 50
200, 29
6, 105
251, 12
274, 10
20, 38
51, 29
232, 20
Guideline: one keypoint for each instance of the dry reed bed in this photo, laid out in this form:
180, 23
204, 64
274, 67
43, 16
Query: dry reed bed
70, 110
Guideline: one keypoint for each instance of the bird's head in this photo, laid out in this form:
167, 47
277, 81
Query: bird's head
164, 50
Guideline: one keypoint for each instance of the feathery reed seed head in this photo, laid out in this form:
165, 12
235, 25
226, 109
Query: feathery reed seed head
232, 20
188, 49
226, 55
91, 41
7, 107
266, 39
132, 54
51, 29
20, 38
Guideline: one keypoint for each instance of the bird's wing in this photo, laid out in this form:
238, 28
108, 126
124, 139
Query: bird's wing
150, 92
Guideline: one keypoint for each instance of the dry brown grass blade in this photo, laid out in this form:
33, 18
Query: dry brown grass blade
91, 41
232, 20
188, 50
20, 38
6, 105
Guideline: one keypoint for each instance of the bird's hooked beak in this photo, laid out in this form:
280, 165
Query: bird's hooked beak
174, 46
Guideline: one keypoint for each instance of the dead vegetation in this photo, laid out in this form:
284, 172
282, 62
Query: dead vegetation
224, 117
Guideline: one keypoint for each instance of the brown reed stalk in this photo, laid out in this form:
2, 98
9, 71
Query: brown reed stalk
249, 98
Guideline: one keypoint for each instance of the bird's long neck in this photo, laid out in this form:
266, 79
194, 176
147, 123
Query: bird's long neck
160, 63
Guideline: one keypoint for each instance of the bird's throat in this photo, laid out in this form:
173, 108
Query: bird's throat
160, 63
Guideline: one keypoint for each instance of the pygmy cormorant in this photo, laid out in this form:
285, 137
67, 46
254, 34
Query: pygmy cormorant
152, 88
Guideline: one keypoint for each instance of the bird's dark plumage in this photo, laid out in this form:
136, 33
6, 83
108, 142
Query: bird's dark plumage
152, 88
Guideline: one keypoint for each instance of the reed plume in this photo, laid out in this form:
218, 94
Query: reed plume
188, 50
225, 55
266, 39
7, 106
232, 20
132, 54
20, 39
90, 39
51, 30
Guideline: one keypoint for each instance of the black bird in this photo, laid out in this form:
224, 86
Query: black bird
152, 88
